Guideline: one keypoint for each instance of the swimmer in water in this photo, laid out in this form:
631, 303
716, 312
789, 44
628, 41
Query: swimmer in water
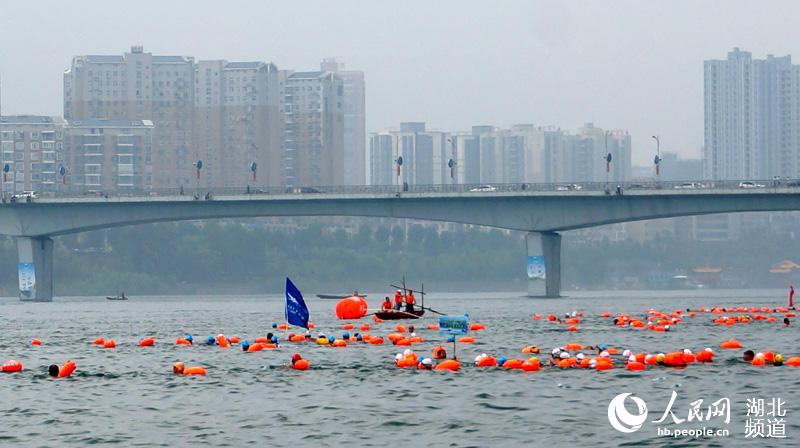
786, 321
296, 357
425, 364
53, 370
748, 356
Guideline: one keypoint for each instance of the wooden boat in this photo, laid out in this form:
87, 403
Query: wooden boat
337, 296
117, 298
399, 314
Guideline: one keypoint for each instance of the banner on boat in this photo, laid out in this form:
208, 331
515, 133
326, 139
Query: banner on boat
536, 267
27, 277
454, 324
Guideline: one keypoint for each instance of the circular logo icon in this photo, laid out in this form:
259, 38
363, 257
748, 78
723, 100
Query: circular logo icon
621, 419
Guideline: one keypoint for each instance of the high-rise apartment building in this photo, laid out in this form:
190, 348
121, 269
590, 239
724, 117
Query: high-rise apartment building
752, 108
108, 155
354, 134
237, 122
582, 157
313, 106
139, 86
425, 155
32, 153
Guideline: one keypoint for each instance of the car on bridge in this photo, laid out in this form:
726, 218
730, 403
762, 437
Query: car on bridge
26, 196
569, 187
689, 186
484, 188
748, 184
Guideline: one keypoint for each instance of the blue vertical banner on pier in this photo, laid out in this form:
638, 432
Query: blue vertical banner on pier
536, 267
27, 277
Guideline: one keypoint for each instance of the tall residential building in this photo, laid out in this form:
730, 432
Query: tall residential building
140, 86
32, 149
314, 129
581, 157
237, 121
355, 136
109, 155
752, 108
426, 156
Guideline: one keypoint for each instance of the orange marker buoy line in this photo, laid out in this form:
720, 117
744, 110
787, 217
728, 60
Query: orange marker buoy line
11, 366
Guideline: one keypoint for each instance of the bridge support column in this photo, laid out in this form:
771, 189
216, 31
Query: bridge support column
35, 269
544, 263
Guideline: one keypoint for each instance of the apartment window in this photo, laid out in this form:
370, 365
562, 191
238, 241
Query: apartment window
36, 156
8, 156
7, 146
19, 146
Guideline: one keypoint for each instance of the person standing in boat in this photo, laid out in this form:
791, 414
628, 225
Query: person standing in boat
410, 301
398, 300
387, 304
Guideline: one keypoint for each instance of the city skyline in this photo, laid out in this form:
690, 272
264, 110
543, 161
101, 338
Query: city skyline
625, 69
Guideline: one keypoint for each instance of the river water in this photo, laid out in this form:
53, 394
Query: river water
355, 396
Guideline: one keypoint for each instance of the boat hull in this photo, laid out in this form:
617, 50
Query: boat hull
398, 315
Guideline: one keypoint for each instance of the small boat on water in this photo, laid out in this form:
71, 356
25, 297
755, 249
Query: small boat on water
338, 296
118, 297
399, 314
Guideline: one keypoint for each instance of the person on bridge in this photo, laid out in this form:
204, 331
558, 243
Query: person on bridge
791, 297
387, 304
410, 301
398, 300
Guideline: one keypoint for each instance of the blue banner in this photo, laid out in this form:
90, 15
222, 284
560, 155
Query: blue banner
536, 267
296, 309
454, 324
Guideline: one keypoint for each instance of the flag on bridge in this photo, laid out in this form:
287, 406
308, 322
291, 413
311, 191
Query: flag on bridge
608, 162
296, 309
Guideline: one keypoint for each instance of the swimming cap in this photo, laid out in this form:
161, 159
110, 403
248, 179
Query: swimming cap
407, 352
602, 347
626, 353
604, 354
274, 325
189, 337
211, 340
564, 355
245, 345
427, 361
296, 357
556, 351
580, 356
631, 358
345, 335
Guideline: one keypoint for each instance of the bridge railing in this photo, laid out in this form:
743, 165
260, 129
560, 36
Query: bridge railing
611, 188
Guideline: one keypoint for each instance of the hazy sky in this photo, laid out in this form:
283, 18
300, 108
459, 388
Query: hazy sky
635, 65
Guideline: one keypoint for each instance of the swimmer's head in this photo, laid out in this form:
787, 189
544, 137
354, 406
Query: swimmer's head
245, 345
177, 368
748, 355
53, 370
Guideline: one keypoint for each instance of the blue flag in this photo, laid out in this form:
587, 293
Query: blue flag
296, 309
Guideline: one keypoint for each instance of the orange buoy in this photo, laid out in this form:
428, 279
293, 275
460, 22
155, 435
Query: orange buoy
296, 338
606, 314
99, 341
222, 341
530, 349
416, 340
301, 364
348, 326
402, 342
512, 364
572, 328
255, 347
233, 339
486, 361
376, 340
433, 327
449, 364
636, 365
67, 369
183, 341
477, 326
603, 366
11, 366
531, 365
573, 346
110, 344
353, 307
400, 328
466, 340
36, 342
339, 343
793, 361
731, 344
758, 361
537, 316
377, 319
147, 342
364, 327
285, 327
262, 340
194, 371
705, 356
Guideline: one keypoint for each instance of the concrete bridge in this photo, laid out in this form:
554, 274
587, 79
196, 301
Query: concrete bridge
540, 210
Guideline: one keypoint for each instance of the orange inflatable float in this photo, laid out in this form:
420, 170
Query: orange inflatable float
376, 340
301, 364
365, 327
512, 364
530, 349
147, 342
182, 341
449, 364
731, 344
99, 341
67, 369
531, 365
793, 361
11, 366
255, 347
339, 343
36, 342
353, 307
110, 344
477, 326
180, 369
348, 326
485, 361
466, 340
222, 341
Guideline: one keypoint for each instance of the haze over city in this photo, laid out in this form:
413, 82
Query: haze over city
453, 64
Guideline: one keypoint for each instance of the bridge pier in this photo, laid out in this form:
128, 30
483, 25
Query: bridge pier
543, 263
35, 269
